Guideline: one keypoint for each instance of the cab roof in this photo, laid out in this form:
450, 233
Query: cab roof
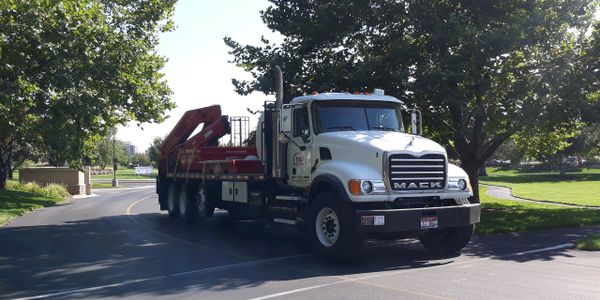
343, 96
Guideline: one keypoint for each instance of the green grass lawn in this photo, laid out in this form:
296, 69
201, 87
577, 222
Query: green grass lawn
499, 215
126, 174
16, 203
581, 188
590, 243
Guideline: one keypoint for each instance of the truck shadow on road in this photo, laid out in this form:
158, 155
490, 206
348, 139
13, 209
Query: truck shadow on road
150, 255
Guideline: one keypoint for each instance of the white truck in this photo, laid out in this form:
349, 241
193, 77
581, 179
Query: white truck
340, 166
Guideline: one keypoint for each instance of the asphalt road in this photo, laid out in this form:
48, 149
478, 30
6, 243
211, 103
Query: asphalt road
119, 245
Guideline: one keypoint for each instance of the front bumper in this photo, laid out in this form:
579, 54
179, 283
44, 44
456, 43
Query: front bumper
409, 219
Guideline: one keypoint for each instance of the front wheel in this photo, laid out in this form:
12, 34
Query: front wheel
332, 228
204, 207
447, 240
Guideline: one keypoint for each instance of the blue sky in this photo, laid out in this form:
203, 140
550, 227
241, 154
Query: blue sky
197, 69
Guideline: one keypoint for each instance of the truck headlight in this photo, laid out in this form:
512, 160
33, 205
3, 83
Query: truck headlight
367, 186
458, 184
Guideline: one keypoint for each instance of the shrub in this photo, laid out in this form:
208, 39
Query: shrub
56, 190
52, 190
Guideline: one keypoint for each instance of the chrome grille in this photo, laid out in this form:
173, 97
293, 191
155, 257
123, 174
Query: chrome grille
408, 172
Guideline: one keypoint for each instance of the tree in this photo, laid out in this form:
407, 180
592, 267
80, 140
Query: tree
106, 148
481, 70
141, 159
509, 151
154, 150
71, 70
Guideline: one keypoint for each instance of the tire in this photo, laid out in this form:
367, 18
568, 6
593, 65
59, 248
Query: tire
448, 240
162, 189
332, 229
203, 206
173, 201
188, 212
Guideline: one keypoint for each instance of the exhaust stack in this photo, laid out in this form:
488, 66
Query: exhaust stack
279, 158
278, 87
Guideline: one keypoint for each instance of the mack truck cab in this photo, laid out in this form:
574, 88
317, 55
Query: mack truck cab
367, 177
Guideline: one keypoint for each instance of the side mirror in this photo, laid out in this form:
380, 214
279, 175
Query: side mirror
286, 119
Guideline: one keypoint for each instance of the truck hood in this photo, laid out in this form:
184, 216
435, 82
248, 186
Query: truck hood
381, 140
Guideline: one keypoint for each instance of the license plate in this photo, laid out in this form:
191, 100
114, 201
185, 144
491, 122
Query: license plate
372, 220
429, 222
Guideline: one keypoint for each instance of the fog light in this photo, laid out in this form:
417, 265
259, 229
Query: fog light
367, 186
462, 184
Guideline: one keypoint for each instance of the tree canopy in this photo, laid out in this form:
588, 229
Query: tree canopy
481, 70
71, 70
154, 150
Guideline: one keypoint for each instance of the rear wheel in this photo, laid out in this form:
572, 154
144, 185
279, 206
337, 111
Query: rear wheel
332, 229
172, 201
187, 208
447, 240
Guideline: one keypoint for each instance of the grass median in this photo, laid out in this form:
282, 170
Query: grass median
581, 188
591, 243
500, 216
104, 185
21, 198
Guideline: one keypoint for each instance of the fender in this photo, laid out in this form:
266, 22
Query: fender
331, 181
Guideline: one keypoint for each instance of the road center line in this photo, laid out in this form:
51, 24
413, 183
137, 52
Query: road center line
172, 237
349, 280
128, 210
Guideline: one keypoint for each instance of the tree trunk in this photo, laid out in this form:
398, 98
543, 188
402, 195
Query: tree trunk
483, 171
472, 169
9, 169
4, 169
562, 166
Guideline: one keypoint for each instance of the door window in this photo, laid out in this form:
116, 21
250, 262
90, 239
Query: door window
301, 128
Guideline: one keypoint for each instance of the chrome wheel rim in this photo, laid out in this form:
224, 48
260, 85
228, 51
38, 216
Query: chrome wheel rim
202, 209
327, 227
182, 201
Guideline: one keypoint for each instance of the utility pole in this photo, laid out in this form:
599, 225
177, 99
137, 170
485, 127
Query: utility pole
115, 182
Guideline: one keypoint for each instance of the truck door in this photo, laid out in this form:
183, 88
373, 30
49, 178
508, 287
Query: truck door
299, 158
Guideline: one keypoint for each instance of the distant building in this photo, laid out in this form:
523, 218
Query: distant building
130, 148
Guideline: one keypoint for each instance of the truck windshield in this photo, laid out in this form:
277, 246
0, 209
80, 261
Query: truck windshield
357, 115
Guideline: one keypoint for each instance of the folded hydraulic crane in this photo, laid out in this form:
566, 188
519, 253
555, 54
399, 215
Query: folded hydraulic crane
198, 156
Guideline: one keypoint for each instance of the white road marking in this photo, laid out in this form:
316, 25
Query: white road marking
128, 211
377, 275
